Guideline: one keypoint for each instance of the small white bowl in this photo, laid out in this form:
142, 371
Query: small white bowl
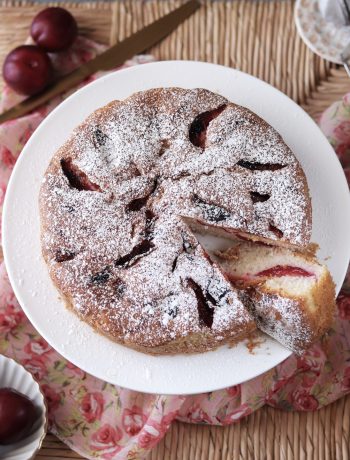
13, 375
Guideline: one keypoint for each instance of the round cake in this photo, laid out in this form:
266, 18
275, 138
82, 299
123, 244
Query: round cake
121, 199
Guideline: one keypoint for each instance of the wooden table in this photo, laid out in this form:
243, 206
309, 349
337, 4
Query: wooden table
259, 38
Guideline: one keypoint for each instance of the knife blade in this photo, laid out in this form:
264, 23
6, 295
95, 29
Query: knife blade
113, 57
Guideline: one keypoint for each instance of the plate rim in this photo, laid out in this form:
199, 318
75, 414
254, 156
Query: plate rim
47, 120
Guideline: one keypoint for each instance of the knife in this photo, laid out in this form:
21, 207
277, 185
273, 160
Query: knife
113, 57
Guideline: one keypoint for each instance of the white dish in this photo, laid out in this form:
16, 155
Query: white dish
324, 38
74, 339
13, 375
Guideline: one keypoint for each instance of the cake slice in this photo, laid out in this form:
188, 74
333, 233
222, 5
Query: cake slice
289, 293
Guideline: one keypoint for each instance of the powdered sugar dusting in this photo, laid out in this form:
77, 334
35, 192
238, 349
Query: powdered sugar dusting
123, 256
282, 318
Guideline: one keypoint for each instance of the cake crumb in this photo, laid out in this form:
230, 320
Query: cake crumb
254, 341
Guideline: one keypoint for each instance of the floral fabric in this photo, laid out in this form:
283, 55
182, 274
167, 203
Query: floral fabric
100, 420
335, 123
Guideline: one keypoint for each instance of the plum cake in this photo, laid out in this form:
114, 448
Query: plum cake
121, 199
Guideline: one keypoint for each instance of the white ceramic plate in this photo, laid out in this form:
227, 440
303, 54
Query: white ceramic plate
77, 341
13, 375
323, 37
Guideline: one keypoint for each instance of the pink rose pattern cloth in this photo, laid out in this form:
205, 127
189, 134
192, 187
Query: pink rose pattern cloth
100, 420
335, 123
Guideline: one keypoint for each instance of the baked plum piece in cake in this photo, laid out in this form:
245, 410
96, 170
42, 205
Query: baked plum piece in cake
289, 293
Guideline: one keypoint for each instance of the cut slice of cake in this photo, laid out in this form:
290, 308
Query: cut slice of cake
290, 294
